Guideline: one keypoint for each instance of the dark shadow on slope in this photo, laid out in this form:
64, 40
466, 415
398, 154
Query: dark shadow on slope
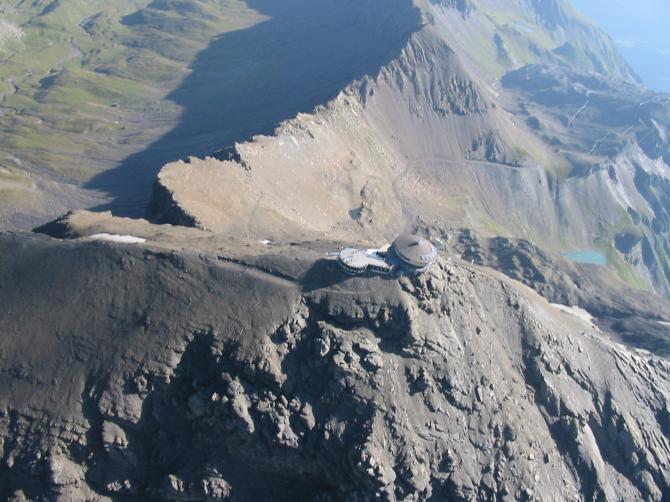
323, 274
248, 81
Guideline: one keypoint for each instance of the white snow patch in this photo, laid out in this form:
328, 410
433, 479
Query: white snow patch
124, 239
265, 242
584, 315
618, 191
9, 31
664, 323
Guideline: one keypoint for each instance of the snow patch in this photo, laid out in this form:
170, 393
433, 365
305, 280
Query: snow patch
618, 191
124, 239
584, 315
9, 31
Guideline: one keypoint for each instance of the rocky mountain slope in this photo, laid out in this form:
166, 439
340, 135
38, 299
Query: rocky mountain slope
217, 351
615, 135
434, 135
495, 37
436, 122
96, 97
252, 374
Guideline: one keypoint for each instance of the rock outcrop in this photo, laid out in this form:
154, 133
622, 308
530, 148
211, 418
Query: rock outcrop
183, 376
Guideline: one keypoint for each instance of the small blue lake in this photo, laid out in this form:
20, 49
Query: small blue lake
590, 257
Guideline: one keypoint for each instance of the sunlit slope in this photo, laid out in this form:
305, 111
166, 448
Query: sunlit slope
493, 37
433, 137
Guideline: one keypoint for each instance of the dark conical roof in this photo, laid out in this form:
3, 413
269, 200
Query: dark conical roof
414, 250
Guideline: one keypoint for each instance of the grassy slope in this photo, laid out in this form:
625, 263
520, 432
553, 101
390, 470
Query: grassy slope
85, 85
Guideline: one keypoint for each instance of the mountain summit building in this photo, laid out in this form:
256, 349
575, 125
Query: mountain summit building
409, 254
414, 253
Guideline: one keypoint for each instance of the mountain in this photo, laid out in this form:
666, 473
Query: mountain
236, 370
450, 133
215, 350
639, 32
136, 85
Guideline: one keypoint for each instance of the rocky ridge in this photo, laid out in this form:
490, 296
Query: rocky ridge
431, 135
226, 381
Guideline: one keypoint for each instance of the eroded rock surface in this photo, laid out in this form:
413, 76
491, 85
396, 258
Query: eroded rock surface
187, 377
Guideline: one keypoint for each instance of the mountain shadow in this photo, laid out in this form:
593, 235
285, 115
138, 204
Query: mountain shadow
246, 82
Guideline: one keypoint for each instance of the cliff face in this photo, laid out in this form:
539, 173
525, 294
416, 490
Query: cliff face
407, 131
225, 380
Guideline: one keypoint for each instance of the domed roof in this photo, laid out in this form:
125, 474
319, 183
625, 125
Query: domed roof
414, 250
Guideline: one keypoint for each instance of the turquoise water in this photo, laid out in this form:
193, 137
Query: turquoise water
590, 257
